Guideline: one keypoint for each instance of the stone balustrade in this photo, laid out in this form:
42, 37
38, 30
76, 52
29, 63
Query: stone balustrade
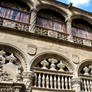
14, 24
52, 80
86, 84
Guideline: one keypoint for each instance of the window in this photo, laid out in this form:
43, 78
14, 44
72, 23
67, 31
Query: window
14, 15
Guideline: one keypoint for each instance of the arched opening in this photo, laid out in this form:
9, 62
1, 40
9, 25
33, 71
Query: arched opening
85, 73
51, 20
52, 71
15, 10
12, 63
81, 28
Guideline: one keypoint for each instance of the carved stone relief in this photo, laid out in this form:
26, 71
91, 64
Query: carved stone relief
53, 64
8, 66
31, 49
86, 70
75, 58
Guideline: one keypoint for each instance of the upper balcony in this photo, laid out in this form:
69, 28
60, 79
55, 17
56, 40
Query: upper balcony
14, 15
46, 22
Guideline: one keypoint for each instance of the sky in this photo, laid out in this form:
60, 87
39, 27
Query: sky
82, 4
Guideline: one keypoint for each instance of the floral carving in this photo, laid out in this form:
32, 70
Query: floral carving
61, 66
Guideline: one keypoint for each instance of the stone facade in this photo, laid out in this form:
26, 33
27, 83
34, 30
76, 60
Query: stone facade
35, 59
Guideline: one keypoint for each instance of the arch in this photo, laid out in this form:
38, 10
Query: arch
26, 3
54, 8
82, 17
40, 56
18, 53
82, 64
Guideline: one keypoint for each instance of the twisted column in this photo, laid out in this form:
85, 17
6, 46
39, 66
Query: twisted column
33, 20
69, 28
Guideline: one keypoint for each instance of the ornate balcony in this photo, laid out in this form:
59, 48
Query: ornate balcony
52, 80
14, 24
50, 33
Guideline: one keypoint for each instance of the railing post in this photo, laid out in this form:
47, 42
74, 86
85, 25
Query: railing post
69, 28
33, 20
76, 84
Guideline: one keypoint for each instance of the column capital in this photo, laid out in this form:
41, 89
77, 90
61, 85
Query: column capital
28, 79
76, 84
68, 19
34, 9
76, 81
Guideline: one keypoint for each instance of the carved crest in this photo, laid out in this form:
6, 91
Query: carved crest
31, 49
75, 58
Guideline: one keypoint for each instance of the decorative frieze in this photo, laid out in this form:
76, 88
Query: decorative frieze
14, 25
50, 33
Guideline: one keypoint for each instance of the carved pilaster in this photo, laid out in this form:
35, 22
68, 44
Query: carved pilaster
19, 74
76, 84
28, 79
33, 19
69, 28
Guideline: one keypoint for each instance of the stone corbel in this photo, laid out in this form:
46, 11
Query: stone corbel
76, 84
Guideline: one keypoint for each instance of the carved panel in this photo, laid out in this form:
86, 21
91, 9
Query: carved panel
9, 66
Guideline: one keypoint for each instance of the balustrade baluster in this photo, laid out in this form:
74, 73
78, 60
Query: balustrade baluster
47, 81
85, 86
88, 86
70, 83
55, 81
35, 81
59, 82
43, 81
39, 80
66, 85
51, 81
91, 85
62, 82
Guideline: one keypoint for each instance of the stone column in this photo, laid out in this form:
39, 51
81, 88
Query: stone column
33, 20
28, 80
76, 84
69, 28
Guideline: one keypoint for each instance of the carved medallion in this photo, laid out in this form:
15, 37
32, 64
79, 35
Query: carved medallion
31, 49
75, 58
